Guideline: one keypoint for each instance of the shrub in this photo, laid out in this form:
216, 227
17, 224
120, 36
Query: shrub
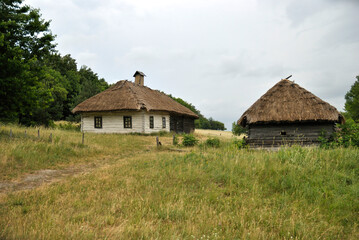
189, 140
346, 135
213, 142
240, 143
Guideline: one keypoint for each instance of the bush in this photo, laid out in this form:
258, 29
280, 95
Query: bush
346, 135
240, 143
189, 140
213, 142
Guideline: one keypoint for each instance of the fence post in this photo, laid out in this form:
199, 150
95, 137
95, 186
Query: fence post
50, 138
25, 134
83, 138
10, 133
157, 141
38, 133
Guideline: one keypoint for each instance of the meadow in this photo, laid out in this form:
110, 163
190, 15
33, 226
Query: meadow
135, 190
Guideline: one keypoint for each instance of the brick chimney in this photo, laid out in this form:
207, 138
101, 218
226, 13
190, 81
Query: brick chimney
139, 77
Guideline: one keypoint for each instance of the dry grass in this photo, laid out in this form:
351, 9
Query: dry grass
206, 133
206, 193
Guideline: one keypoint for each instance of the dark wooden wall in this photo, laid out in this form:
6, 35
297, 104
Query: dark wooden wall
267, 135
180, 124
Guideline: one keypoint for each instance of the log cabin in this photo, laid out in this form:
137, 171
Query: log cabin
288, 114
131, 107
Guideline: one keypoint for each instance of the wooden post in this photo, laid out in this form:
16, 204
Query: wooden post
38, 133
157, 141
174, 139
25, 134
83, 138
10, 133
50, 138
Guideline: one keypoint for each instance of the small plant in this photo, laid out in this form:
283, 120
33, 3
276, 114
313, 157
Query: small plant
189, 140
213, 142
175, 140
240, 143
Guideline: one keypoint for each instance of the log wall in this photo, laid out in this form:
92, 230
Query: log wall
267, 135
180, 124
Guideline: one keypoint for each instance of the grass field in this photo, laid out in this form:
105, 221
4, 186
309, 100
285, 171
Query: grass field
137, 191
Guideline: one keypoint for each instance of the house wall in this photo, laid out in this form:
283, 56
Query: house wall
157, 116
303, 134
112, 122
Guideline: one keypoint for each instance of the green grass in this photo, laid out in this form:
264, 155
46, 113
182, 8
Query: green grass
207, 193
25, 153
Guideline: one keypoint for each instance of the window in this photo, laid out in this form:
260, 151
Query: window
98, 122
127, 122
163, 122
283, 133
151, 122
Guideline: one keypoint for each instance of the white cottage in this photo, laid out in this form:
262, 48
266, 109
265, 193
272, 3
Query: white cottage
129, 107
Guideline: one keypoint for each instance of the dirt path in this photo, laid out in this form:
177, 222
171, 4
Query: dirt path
41, 177
48, 176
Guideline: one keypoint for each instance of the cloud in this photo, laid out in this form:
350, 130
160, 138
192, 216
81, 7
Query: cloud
219, 55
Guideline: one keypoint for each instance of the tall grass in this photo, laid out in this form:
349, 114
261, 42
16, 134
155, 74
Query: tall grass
24, 153
209, 193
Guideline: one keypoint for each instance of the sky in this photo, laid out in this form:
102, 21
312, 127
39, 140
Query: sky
219, 55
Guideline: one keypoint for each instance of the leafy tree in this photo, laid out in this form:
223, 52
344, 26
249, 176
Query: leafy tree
352, 101
90, 85
237, 129
25, 39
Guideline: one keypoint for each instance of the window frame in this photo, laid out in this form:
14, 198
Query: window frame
125, 122
152, 122
163, 122
98, 122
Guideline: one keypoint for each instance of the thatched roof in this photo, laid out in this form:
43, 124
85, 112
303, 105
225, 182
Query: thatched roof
288, 102
126, 95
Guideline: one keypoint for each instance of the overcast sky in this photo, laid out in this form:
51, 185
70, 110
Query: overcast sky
219, 55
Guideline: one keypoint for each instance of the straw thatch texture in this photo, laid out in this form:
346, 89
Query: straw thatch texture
288, 102
126, 95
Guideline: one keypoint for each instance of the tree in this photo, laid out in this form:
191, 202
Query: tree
352, 101
238, 129
25, 39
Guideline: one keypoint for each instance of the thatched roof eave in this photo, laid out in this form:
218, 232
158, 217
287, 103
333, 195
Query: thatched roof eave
287, 102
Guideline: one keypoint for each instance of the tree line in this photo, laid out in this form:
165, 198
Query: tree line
38, 85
